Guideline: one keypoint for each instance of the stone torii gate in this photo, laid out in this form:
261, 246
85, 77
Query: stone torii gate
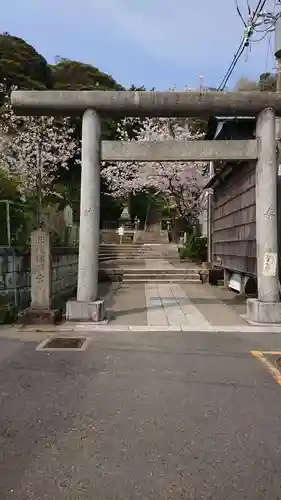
95, 105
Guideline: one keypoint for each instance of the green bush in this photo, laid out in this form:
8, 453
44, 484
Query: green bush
195, 249
183, 253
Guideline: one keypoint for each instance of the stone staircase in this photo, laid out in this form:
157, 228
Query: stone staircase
145, 263
109, 236
137, 251
147, 275
152, 237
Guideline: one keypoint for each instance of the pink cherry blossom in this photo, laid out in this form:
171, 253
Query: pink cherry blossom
178, 183
33, 148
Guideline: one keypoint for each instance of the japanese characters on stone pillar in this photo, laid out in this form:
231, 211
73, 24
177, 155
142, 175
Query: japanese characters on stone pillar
40, 270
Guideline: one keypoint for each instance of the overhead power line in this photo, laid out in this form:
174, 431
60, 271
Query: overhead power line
234, 61
249, 28
258, 9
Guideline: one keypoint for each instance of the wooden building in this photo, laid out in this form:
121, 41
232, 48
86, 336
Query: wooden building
233, 207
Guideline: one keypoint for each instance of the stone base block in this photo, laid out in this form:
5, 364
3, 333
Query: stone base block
85, 311
38, 316
263, 312
204, 275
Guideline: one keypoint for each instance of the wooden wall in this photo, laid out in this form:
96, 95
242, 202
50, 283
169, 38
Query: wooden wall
234, 220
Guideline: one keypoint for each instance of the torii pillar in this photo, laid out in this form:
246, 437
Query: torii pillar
87, 307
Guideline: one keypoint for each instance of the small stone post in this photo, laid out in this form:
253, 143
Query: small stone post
267, 309
226, 278
87, 307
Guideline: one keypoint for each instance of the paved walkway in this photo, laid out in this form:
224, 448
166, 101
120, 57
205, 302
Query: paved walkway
169, 305
160, 304
158, 264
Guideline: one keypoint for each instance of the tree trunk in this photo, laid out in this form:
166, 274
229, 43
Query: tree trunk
39, 189
147, 214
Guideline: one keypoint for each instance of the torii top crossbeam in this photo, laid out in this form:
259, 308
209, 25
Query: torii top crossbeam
133, 103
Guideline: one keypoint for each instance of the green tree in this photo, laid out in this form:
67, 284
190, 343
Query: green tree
22, 65
74, 75
70, 75
267, 82
246, 85
19, 215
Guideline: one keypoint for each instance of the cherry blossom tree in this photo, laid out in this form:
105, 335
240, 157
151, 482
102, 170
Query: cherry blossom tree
33, 149
178, 183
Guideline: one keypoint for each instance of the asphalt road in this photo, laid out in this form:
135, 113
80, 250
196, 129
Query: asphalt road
141, 416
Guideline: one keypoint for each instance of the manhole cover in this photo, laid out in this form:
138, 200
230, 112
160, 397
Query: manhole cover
63, 343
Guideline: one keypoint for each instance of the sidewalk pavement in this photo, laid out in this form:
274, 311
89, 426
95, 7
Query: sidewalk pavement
162, 307
158, 304
173, 304
158, 307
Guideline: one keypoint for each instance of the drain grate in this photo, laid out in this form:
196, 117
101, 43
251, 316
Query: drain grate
63, 343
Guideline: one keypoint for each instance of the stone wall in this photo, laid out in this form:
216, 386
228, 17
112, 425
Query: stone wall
64, 274
15, 279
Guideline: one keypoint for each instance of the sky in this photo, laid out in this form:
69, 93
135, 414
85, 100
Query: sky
155, 43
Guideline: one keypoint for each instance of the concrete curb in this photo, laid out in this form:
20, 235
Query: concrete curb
90, 327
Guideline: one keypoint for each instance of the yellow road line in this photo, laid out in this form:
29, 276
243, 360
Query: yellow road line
274, 372
274, 353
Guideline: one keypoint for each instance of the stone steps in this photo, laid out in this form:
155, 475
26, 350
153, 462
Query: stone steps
152, 236
128, 263
137, 251
121, 245
128, 257
136, 257
128, 246
154, 271
119, 255
131, 252
159, 279
172, 275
